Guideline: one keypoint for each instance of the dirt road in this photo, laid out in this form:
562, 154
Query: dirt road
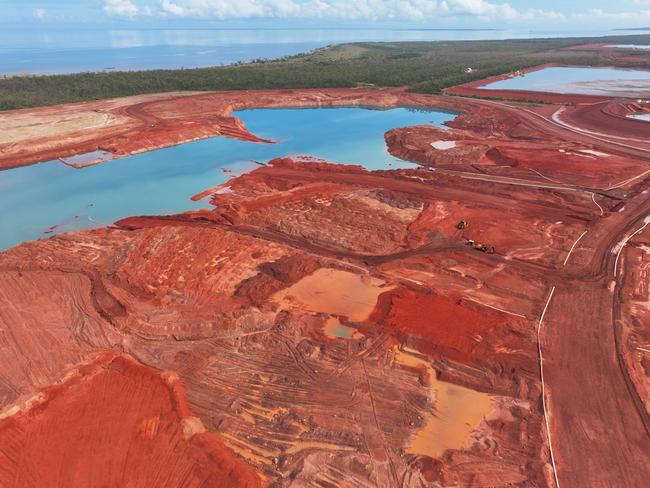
599, 425
599, 439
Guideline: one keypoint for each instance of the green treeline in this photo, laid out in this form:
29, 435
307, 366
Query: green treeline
424, 66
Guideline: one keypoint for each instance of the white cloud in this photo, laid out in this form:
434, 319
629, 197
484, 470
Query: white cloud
120, 8
614, 18
348, 9
438, 12
172, 8
40, 13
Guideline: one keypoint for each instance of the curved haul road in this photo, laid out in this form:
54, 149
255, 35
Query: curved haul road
599, 438
599, 427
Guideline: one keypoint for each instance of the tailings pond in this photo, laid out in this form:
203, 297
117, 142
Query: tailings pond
44, 199
630, 46
644, 117
579, 81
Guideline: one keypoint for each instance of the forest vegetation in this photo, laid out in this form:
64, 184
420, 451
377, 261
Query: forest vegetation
427, 67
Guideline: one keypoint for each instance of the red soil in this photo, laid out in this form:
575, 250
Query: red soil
448, 328
115, 423
196, 294
633, 315
516, 149
610, 116
262, 377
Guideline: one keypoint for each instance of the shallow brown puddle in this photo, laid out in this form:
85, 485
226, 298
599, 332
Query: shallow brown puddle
457, 411
335, 292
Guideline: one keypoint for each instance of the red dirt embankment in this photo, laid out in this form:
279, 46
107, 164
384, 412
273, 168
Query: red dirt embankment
115, 423
516, 154
633, 314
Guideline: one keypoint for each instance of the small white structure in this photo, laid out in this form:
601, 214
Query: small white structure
469, 70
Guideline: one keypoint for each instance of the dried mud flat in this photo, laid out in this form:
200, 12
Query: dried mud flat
323, 325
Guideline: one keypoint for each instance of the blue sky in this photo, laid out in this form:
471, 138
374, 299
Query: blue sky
558, 14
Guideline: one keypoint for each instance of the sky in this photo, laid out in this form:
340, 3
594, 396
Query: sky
558, 14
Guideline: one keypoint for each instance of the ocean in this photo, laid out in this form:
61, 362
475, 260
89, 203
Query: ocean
56, 51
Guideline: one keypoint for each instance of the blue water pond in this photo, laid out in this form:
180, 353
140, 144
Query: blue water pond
35, 198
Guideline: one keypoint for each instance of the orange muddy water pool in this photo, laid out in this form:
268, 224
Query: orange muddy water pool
456, 412
334, 292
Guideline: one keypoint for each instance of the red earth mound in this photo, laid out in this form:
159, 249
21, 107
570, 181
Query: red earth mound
115, 423
449, 328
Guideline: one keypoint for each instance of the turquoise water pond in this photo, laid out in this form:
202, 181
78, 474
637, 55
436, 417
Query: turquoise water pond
576, 80
37, 197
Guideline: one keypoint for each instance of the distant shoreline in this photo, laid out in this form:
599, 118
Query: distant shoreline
88, 50
423, 66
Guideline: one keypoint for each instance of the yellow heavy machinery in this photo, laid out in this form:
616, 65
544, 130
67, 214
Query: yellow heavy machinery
481, 247
484, 248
